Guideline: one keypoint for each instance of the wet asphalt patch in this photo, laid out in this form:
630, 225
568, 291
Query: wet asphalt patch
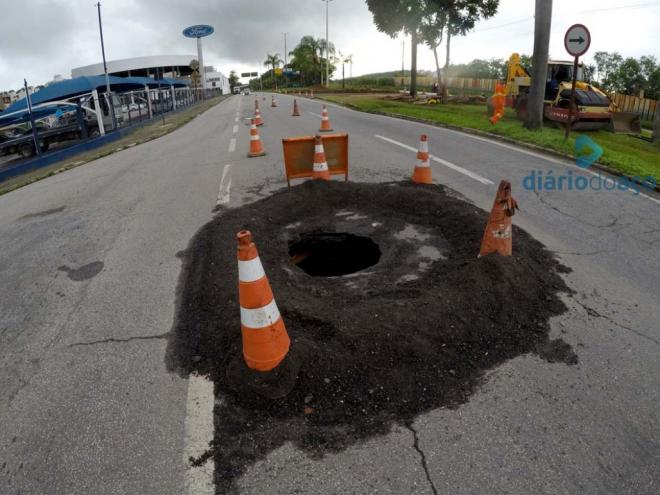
414, 332
85, 272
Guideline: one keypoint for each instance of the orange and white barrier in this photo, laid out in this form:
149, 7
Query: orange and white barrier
320, 170
256, 146
325, 121
498, 237
265, 339
422, 173
301, 159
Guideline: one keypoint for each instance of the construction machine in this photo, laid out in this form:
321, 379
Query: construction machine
593, 109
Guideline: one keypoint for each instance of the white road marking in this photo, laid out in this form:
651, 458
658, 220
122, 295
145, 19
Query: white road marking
198, 435
447, 164
232, 145
235, 129
315, 115
225, 186
549, 159
236, 119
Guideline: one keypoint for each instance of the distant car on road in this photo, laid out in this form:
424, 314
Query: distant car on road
246, 92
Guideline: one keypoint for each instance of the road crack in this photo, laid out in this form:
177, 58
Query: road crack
422, 456
121, 341
592, 312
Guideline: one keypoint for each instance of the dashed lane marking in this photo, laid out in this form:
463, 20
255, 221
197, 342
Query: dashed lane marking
447, 164
225, 186
198, 435
232, 145
235, 129
315, 115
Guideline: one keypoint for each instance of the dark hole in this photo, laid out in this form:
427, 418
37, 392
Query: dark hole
333, 255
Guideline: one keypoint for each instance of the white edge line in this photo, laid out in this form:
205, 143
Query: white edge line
511, 147
232, 145
225, 186
315, 115
198, 435
235, 129
447, 164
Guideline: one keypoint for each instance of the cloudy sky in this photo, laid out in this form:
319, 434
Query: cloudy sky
40, 38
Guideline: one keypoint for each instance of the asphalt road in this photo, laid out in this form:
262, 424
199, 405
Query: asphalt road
89, 269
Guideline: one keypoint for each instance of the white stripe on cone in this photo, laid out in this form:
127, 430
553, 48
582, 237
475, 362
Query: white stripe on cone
424, 146
261, 317
319, 148
250, 271
424, 163
254, 138
321, 167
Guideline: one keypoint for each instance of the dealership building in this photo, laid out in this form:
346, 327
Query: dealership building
156, 67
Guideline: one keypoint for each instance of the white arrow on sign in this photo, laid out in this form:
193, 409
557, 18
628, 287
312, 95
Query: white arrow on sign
577, 40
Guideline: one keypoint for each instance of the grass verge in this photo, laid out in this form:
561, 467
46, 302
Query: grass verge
147, 132
625, 154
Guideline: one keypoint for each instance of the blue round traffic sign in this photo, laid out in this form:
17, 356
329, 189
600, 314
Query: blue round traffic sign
198, 31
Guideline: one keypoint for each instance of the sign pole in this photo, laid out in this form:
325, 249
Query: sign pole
202, 72
572, 105
576, 41
33, 124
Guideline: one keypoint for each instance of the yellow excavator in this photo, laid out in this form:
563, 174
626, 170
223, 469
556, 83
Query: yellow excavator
593, 109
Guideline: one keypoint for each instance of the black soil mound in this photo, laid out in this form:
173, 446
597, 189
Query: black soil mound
412, 333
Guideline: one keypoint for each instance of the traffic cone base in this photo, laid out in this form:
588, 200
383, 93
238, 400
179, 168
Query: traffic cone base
498, 236
265, 339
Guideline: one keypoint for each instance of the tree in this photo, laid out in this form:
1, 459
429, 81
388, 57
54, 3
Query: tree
233, 79
394, 16
606, 65
195, 77
274, 61
542, 24
457, 17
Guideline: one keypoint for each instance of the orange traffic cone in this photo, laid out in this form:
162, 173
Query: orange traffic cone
311, 94
422, 173
321, 170
257, 117
325, 121
498, 101
265, 339
499, 231
256, 146
273, 103
256, 105
296, 112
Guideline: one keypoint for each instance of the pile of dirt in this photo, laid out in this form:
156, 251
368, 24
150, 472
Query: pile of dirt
412, 333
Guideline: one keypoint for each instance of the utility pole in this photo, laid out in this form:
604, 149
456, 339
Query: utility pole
105, 70
285, 62
327, 42
542, 25
403, 63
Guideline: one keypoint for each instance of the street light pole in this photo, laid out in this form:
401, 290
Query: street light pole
285, 61
105, 70
327, 43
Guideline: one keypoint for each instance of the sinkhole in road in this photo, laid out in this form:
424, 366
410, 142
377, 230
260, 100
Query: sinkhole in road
416, 331
328, 254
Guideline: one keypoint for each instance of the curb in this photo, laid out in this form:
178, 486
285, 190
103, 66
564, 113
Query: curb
490, 135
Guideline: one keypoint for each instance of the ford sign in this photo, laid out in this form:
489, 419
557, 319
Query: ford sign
198, 31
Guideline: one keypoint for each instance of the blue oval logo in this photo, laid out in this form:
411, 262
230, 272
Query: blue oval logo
198, 31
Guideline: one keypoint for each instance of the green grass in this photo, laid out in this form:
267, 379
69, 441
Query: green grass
627, 154
148, 132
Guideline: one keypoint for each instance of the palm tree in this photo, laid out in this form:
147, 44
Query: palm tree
349, 60
273, 61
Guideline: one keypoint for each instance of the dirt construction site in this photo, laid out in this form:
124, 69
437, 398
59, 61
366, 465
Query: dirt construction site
389, 309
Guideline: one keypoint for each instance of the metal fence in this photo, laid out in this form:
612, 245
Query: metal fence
88, 116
